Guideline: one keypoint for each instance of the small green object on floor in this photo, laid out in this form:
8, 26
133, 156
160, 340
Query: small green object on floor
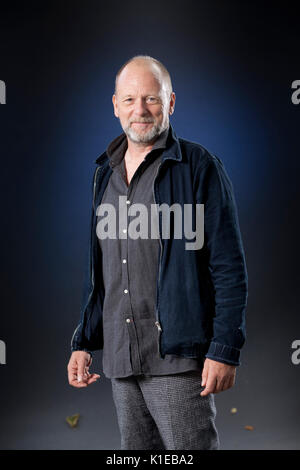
73, 420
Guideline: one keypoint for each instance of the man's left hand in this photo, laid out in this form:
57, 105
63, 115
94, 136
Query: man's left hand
217, 377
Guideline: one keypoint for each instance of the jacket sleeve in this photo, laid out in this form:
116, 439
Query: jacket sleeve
81, 339
226, 262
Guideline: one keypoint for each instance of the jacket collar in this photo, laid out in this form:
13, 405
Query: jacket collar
172, 149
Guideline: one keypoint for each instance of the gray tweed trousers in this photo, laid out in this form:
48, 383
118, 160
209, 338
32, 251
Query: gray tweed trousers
165, 412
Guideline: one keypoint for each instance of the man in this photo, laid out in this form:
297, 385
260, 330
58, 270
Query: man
170, 319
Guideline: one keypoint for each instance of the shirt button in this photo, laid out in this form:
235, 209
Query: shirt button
128, 320
125, 291
124, 261
127, 202
124, 230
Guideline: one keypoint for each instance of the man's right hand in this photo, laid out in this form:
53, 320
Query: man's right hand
78, 369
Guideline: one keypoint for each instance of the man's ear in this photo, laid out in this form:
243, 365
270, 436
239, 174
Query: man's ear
172, 103
114, 100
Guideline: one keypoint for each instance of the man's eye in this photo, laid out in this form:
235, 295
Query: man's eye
152, 99
128, 99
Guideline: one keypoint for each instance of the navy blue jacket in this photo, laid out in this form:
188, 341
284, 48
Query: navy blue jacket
201, 294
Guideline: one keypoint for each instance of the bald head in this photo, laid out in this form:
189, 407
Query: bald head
149, 64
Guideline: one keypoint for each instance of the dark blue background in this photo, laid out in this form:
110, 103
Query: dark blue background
232, 65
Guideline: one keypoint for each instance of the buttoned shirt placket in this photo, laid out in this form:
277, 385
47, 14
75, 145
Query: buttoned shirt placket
128, 310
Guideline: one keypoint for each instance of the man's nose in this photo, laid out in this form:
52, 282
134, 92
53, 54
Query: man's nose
140, 107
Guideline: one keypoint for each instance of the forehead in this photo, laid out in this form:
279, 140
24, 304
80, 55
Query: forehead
140, 78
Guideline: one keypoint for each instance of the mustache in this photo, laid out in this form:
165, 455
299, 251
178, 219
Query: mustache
142, 120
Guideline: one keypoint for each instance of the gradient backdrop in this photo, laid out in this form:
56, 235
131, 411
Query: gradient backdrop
232, 67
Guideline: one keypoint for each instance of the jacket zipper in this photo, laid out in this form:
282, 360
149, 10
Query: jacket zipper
157, 322
92, 272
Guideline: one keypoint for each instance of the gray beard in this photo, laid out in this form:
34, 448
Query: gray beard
147, 137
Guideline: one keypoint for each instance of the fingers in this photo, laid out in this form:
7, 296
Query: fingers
77, 384
72, 372
222, 385
78, 370
87, 381
92, 378
231, 382
225, 385
216, 385
90, 361
217, 376
204, 374
210, 385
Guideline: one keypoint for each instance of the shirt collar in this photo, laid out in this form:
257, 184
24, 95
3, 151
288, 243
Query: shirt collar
117, 148
172, 150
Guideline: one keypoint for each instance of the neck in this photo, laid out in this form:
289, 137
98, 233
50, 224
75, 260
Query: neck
136, 151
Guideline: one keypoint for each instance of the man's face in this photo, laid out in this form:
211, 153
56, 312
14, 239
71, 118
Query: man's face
142, 102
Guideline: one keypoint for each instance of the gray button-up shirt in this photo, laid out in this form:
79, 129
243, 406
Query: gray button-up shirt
130, 270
